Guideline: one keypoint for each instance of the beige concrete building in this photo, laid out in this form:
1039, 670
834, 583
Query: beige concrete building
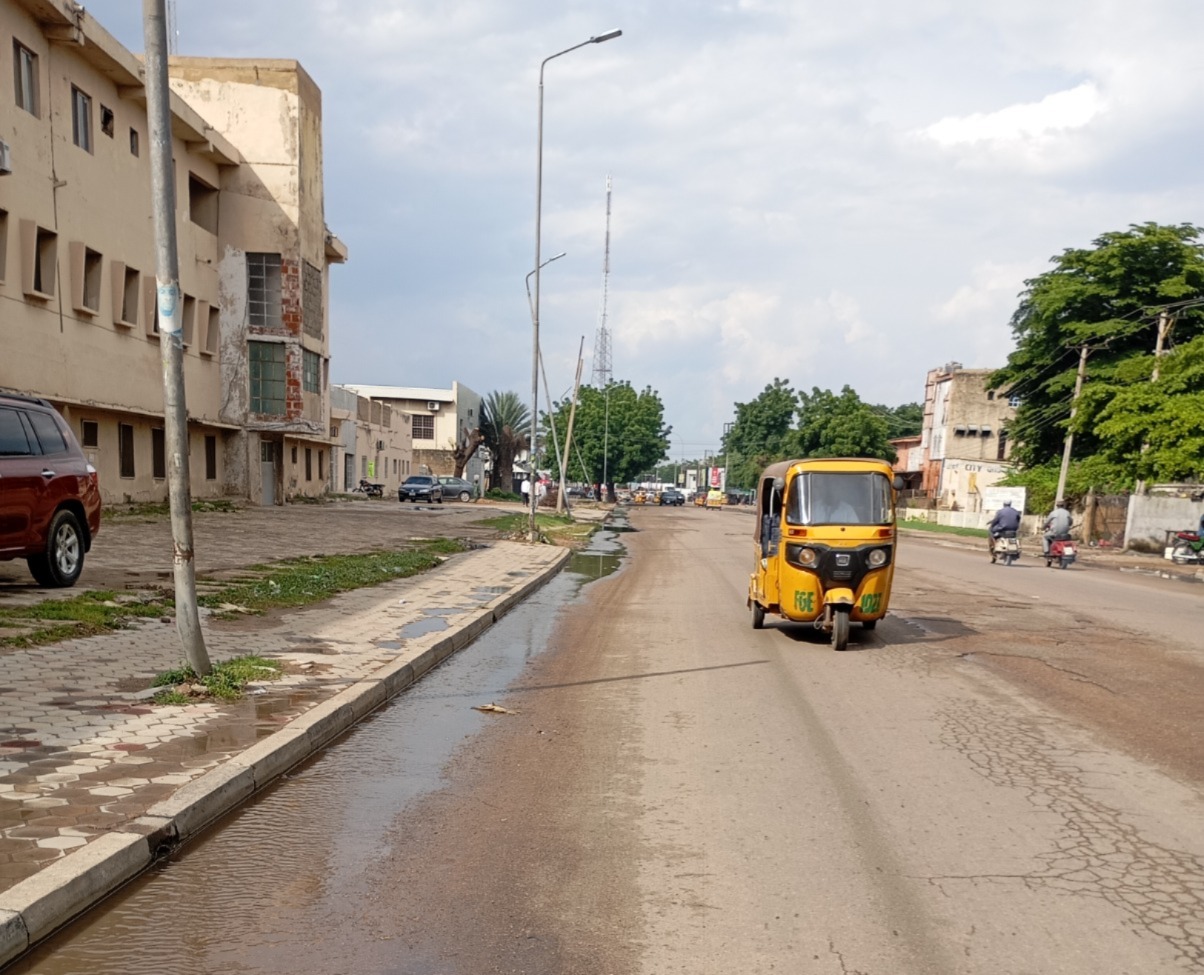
77, 257
439, 419
374, 442
963, 442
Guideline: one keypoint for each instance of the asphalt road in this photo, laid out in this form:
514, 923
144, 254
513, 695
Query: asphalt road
1004, 778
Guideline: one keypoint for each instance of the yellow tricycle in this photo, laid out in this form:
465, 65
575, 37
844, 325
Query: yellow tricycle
825, 544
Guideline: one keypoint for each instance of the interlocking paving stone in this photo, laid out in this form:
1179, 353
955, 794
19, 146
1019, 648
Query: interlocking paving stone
82, 754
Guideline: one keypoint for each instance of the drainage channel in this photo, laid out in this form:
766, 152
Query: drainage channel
274, 887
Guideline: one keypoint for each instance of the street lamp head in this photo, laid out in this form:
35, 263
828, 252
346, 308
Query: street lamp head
610, 35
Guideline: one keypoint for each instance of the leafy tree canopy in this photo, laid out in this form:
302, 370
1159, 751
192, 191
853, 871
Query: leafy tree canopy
616, 430
841, 425
763, 432
1105, 298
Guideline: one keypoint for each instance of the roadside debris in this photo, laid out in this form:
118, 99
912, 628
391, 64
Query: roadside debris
492, 709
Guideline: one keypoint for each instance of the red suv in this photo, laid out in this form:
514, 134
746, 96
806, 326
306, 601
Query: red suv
49, 494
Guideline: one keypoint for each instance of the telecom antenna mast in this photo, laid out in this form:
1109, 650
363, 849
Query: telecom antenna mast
601, 375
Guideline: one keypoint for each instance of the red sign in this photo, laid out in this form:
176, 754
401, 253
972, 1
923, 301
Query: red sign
714, 477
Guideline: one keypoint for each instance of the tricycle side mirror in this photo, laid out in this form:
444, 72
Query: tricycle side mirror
779, 483
897, 482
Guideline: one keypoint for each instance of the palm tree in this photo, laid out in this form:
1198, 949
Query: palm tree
505, 425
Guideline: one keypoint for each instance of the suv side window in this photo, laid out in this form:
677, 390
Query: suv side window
48, 433
13, 440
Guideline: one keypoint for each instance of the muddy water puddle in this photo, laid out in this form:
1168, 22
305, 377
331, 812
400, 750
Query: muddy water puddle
277, 887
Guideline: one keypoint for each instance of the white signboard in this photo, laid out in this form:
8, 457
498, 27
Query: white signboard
993, 498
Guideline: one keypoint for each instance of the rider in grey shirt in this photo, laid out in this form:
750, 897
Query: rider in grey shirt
1058, 523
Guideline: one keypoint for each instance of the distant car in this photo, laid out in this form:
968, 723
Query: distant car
672, 496
456, 488
420, 487
49, 493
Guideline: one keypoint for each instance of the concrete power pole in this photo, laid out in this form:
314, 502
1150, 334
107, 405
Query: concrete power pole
171, 345
1074, 405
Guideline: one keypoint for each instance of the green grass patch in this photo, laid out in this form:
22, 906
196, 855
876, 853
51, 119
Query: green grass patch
930, 526
161, 509
292, 583
521, 522
299, 582
87, 614
225, 682
497, 494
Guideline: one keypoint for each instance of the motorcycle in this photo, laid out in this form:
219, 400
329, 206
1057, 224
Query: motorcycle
370, 489
1061, 550
1005, 546
1188, 548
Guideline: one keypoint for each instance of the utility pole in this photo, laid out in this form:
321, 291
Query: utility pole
561, 498
1074, 405
171, 346
1166, 321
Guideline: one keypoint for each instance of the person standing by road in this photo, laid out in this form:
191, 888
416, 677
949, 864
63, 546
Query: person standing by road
1058, 523
526, 489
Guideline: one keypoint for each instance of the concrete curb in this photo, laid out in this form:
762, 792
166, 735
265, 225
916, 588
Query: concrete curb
35, 908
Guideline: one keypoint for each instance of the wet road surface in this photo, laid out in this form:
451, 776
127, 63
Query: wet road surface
1003, 778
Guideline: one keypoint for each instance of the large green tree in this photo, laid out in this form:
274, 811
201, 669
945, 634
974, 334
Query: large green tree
506, 431
762, 433
1105, 298
841, 425
619, 434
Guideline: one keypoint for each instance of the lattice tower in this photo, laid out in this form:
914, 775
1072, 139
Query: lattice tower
601, 374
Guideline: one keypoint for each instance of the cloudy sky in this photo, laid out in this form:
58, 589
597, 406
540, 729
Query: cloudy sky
829, 191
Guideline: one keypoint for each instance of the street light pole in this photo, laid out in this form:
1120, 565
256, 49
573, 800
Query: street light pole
609, 35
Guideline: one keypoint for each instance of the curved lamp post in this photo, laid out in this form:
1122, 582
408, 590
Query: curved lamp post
608, 36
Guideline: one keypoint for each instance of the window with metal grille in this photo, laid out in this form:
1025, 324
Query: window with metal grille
266, 360
311, 300
263, 290
125, 449
311, 371
81, 118
424, 428
25, 77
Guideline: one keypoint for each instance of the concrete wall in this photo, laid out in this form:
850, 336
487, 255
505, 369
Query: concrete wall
1151, 516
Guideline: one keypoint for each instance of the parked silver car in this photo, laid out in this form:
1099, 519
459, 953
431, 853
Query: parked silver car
456, 488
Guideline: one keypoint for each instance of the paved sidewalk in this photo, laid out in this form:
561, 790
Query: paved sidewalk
95, 781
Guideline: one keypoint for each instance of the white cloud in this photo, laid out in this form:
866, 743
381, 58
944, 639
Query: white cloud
1052, 115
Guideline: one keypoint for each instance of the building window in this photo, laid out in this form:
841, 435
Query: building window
212, 332
294, 454
267, 377
309, 464
1002, 450
311, 300
89, 433
106, 120
126, 282
39, 259
133, 142
263, 290
210, 458
81, 119
202, 203
311, 367
3, 243
188, 320
125, 449
158, 455
321, 465
85, 266
25, 77
424, 427
1014, 402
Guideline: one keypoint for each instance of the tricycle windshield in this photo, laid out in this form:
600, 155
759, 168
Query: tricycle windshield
823, 498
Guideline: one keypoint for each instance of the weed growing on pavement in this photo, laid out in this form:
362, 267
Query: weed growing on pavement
87, 614
557, 529
225, 682
929, 526
156, 509
298, 582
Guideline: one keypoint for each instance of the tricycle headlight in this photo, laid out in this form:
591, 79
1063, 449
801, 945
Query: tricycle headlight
806, 556
877, 558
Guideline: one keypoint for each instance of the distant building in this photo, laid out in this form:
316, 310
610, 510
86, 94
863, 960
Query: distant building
77, 258
439, 420
964, 445
373, 442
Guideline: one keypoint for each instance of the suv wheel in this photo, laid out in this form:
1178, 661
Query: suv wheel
62, 562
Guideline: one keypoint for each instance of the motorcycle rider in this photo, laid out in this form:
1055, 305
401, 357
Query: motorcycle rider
1058, 523
1007, 519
